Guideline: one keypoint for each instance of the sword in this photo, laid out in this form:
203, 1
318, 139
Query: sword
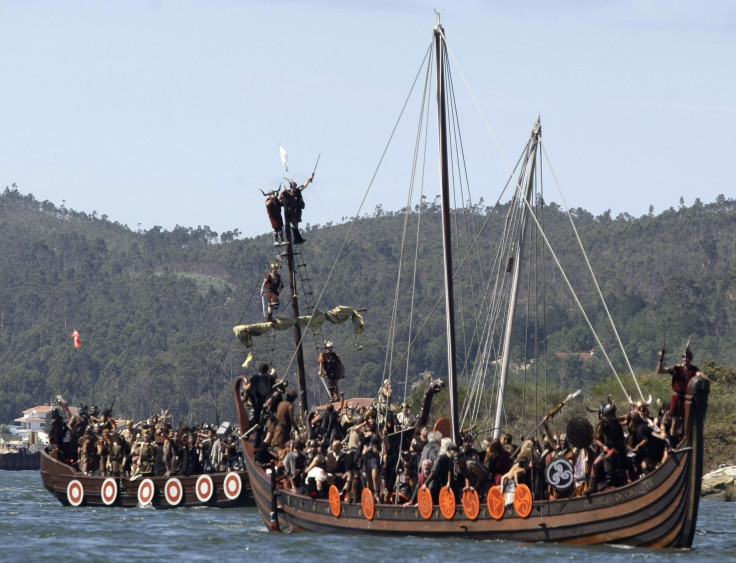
322, 379
263, 302
316, 163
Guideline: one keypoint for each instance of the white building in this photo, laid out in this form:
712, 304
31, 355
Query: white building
32, 425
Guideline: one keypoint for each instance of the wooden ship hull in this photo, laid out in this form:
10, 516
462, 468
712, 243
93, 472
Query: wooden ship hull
72, 488
659, 510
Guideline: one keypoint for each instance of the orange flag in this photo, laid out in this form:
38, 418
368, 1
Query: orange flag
77, 341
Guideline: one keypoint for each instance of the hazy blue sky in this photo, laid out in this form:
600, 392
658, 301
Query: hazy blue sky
167, 112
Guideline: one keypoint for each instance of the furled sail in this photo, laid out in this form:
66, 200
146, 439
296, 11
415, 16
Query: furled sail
339, 314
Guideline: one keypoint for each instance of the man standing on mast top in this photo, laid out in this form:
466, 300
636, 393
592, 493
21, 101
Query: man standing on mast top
293, 204
273, 208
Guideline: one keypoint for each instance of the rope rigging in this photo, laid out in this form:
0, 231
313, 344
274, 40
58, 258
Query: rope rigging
482, 281
356, 216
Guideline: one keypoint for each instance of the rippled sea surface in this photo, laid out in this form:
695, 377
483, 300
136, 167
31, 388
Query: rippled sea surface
35, 526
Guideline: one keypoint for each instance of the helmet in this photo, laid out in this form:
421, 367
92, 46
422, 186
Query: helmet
609, 410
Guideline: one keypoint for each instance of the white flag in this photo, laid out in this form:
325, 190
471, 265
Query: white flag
284, 160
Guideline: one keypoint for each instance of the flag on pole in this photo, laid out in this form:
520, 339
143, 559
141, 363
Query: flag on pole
284, 160
77, 341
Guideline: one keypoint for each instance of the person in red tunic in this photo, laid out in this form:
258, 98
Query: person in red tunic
273, 208
271, 287
681, 376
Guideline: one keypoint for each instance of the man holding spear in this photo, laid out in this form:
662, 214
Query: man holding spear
681, 376
293, 204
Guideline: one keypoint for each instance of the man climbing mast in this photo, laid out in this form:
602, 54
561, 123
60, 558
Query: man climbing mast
271, 287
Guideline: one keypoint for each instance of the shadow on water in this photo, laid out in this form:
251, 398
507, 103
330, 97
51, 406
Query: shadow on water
36, 526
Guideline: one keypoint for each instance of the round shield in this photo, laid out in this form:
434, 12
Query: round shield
496, 504
368, 503
444, 426
523, 501
424, 502
173, 491
204, 488
335, 503
559, 474
580, 432
471, 504
75, 492
109, 491
146, 491
233, 485
447, 503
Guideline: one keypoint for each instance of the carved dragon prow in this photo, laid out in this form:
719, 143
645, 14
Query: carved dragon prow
434, 386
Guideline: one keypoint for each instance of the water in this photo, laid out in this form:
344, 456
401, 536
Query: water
35, 526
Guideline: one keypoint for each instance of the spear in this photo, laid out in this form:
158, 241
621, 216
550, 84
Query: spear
550, 415
664, 344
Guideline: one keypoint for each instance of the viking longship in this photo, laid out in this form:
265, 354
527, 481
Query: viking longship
75, 488
657, 510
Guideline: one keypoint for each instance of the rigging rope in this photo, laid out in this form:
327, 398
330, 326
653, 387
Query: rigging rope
501, 152
577, 301
365, 197
595, 279
419, 224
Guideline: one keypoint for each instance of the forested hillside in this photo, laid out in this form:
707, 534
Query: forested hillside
155, 309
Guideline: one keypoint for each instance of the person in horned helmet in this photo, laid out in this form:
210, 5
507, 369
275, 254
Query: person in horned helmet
331, 368
271, 287
681, 376
273, 208
293, 204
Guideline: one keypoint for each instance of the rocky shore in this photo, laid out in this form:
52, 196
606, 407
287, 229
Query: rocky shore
717, 484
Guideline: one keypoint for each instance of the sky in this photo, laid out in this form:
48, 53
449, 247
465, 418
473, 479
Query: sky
171, 112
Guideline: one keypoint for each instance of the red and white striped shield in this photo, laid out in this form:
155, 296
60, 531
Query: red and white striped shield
233, 485
75, 492
146, 491
109, 491
174, 491
204, 488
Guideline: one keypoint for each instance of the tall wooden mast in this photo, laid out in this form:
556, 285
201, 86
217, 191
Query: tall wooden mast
530, 165
446, 228
301, 376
